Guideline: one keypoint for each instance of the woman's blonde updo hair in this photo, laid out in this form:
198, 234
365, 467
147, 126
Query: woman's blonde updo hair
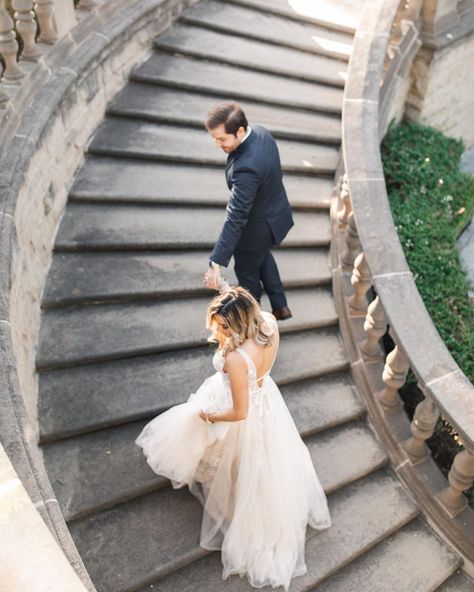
243, 316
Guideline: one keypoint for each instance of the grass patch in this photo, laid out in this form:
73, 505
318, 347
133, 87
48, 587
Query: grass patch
432, 202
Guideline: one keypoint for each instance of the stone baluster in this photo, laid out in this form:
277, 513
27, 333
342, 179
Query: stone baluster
361, 281
88, 4
345, 197
45, 13
26, 27
4, 98
352, 243
422, 427
394, 376
375, 326
9, 48
461, 478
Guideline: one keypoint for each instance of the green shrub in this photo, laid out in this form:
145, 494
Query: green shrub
431, 202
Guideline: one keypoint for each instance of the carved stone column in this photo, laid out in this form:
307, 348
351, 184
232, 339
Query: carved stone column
422, 427
361, 281
45, 12
352, 243
394, 377
9, 48
26, 27
4, 98
461, 478
375, 326
344, 196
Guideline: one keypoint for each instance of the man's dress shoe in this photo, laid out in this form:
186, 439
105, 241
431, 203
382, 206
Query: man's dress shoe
281, 314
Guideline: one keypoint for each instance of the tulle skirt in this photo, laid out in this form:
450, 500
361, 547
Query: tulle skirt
254, 478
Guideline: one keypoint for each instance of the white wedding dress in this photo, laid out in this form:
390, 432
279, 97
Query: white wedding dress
254, 477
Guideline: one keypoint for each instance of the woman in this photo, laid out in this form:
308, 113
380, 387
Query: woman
237, 448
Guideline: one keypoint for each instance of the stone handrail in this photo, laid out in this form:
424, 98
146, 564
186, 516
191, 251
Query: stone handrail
367, 254
51, 106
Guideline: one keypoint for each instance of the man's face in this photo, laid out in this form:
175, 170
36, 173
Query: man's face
227, 142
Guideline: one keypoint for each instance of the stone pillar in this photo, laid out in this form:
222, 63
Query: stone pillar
461, 477
440, 93
394, 377
9, 49
422, 427
64, 16
375, 326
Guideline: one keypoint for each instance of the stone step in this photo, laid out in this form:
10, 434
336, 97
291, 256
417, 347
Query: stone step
162, 104
95, 471
413, 559
93, 396
340, 16
264, 26
163, 533
101, 277
134, 138
186, 73
459, 582
78, 335
124, 227
254, 55
140, 181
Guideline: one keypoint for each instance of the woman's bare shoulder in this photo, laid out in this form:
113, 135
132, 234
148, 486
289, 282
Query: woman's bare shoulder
234, 362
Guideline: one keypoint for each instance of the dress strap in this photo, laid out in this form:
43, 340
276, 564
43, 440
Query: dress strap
248, 359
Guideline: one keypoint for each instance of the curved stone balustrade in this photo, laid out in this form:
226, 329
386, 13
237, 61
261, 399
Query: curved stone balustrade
51, 106
384, 46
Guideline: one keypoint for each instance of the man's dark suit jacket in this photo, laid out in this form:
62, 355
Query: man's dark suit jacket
258, 200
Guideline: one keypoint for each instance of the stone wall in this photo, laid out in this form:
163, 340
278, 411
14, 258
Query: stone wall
442, 90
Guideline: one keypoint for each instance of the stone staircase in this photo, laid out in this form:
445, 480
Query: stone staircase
123, 338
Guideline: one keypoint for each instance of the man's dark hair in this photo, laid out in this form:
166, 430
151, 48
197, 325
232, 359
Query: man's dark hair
229, 114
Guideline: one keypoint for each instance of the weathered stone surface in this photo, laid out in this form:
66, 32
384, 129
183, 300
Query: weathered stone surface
459, 582
115, 179
143, 139
163, 104
362, 514
342, 16
86, 334
411, 559
225, 48
186, 73
95, 471
96, 395
133, 276
127, 227
140, 539
267, 27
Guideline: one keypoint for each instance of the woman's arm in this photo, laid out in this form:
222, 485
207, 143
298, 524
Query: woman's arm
236, 369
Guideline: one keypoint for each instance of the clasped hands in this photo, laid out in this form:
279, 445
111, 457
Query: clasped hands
212, 278
206, 416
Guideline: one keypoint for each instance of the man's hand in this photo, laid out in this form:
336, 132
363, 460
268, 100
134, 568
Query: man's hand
212, 278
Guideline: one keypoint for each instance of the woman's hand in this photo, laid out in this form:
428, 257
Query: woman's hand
206, 416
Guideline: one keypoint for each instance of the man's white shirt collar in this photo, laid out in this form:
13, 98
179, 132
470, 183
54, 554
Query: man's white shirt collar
247, 134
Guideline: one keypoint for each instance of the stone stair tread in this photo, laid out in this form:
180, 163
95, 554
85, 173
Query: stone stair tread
89, 226
369, 510
87, 277
170, 105
88, 397
411, 559
256, 55
341, 16
458, 582
94, 471
185, 72
109, 331
269, 27
114, 179
144, 139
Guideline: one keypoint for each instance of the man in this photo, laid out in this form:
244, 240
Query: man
258, 214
